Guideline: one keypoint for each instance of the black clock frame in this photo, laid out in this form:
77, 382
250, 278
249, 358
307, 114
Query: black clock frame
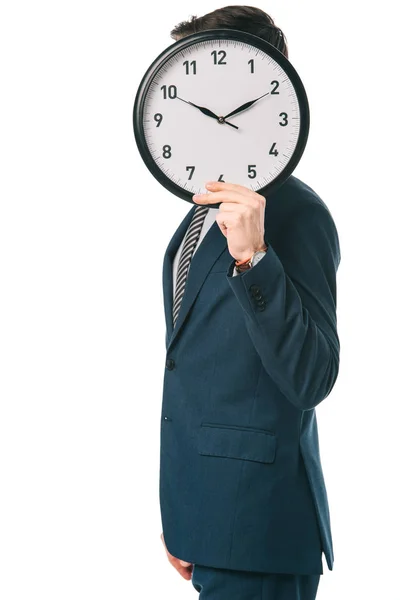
215, 34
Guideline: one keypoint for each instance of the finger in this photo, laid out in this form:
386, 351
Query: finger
233, 207
230, 187
227, 220
222, 196
183, 571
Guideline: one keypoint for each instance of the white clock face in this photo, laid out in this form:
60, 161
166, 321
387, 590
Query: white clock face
220, 75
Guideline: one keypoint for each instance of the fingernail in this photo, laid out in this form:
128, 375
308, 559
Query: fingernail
196, 197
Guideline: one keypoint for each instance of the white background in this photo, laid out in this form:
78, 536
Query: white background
83, 230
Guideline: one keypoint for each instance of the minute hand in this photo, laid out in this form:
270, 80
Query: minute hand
244, 106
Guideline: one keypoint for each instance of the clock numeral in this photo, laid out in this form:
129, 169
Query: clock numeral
285, 119
192, 64
275, 88
166, 151
191, 173
251, 63
273, 151
220, 178
158, 118
221, 60
251, 171
172, 91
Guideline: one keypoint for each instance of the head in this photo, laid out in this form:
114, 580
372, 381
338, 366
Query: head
245, 18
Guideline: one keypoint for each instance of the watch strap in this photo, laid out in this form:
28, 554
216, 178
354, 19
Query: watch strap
245, 265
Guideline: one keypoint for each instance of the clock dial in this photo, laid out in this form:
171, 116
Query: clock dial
223, 109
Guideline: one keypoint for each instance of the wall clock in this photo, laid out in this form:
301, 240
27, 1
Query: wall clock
224, 105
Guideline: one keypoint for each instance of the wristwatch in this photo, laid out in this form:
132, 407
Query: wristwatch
253, 260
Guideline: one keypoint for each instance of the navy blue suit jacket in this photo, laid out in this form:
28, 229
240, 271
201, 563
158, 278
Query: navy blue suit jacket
250, 357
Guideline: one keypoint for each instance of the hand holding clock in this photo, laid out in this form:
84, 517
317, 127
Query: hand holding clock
240, 217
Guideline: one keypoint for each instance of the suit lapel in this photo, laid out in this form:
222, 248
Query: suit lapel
212, 245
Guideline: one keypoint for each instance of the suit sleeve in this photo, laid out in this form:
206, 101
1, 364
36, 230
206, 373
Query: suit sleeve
289, 306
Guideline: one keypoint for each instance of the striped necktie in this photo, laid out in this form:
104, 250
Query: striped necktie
191, 238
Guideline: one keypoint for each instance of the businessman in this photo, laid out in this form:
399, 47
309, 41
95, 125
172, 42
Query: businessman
251, 349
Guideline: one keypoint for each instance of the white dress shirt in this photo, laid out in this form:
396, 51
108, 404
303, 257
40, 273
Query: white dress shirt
208, 221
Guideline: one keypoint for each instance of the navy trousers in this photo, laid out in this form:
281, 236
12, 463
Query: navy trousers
228, 584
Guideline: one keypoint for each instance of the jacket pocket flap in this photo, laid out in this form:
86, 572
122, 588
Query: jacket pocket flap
237, 442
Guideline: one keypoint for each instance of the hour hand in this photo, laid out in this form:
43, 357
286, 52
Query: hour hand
209, 113
204, 110
244, 106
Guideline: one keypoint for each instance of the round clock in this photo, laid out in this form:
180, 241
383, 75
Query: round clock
224, 105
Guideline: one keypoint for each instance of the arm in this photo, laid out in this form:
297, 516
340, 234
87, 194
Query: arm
295, 332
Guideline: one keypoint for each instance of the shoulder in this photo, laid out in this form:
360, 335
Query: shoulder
292, 197
296, 209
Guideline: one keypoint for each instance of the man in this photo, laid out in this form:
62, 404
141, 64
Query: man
252, 349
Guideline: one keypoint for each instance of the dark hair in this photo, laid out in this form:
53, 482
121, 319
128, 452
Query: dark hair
245, 18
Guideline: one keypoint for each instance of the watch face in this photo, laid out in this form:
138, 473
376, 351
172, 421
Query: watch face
221, 105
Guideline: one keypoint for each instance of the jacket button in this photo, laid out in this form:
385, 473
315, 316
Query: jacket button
170, 364
254, 289
258, 296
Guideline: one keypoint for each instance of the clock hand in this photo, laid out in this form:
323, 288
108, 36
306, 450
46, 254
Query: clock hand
244, 106
209, 113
